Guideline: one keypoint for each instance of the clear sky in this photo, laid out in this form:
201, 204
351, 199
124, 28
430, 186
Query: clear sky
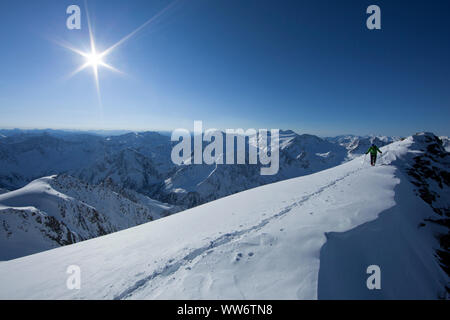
311, 66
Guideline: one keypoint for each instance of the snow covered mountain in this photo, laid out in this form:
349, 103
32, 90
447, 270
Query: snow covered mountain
127, 168
26, 157
304, 238
192, 185
357, 145
60, 210
446, 142
155, 146
142, 162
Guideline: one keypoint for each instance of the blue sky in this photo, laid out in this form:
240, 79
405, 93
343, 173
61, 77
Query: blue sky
311, 66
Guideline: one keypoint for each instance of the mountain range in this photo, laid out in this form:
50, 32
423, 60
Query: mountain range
142, 162
307, 237
134, 169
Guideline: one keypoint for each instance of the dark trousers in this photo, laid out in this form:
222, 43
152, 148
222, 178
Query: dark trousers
373, 158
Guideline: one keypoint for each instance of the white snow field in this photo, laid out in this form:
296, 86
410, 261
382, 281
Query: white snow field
265, 243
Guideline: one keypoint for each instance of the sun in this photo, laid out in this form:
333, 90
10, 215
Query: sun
94, 60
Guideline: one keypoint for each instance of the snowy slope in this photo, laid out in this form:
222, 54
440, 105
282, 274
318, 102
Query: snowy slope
60, 210
263, 243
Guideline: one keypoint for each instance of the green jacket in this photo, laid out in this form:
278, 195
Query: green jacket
373, 150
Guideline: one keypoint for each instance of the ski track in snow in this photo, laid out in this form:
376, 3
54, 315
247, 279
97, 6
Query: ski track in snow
172, 268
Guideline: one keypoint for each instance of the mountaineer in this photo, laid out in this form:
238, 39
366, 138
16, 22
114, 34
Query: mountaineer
373, 153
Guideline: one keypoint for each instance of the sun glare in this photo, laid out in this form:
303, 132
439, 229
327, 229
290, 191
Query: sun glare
94, 60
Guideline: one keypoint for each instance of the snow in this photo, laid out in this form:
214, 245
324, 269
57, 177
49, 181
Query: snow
27, 156
269, 242
446, 142
402, 252
191, 185
59, 210
142, 162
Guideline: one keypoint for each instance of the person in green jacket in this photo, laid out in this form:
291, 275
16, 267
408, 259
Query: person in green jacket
373, 153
